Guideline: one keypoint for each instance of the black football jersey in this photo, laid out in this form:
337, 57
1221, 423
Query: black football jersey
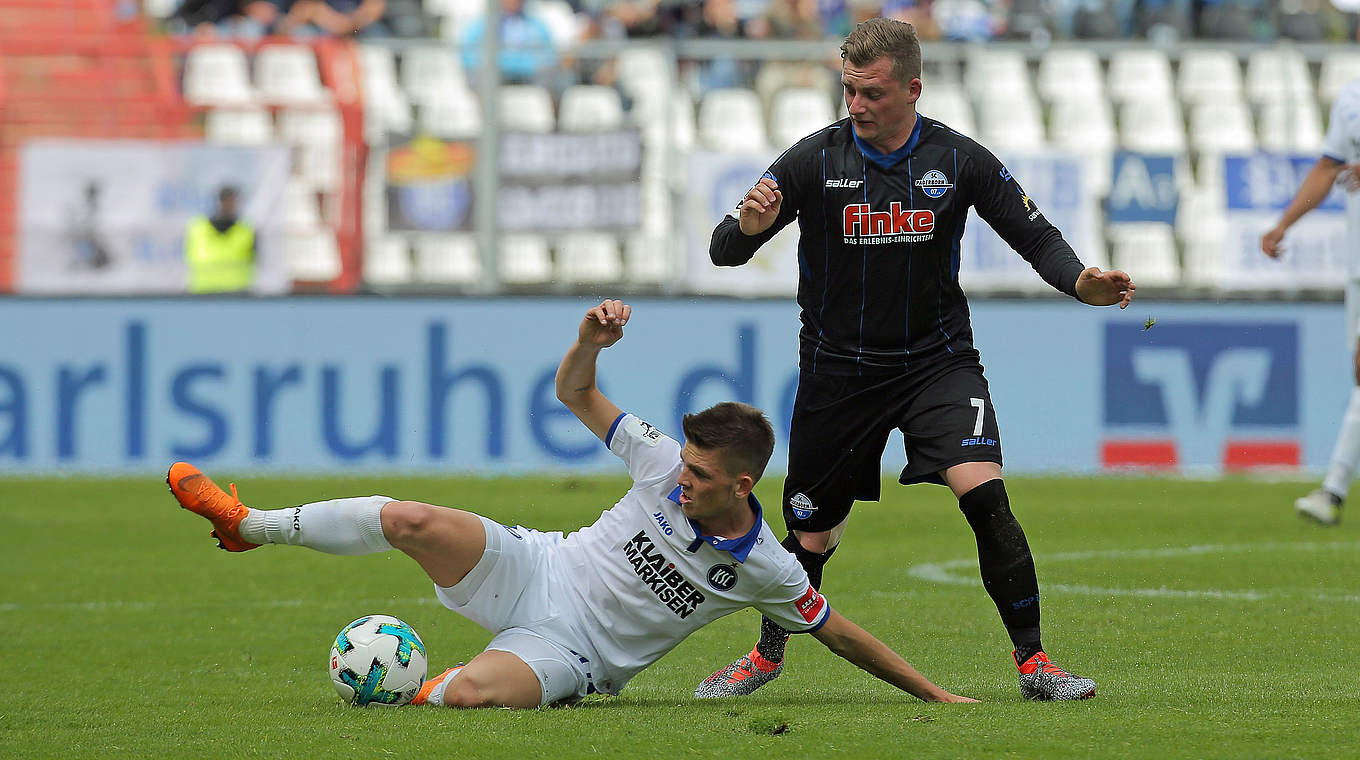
879, 242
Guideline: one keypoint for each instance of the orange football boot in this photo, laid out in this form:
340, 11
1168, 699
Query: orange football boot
422, 697
196, 493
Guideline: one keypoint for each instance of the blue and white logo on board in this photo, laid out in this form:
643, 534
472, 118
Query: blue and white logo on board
933, 183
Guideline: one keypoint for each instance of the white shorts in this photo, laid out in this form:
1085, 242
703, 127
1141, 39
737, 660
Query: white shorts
1352, 313
510, 593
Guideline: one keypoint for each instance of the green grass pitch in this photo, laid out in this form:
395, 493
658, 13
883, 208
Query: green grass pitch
1217, 624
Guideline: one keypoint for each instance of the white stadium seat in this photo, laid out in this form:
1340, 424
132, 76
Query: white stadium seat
642, 70
1291, 126
1070, 74
1154, 127
998, 73
590, 108
1147, 249
386, 107
447, 259
950, 106
217, 74
527, 108
1086, 128
316, 135
647, 259
796, 112
1221, 126
1338, 68
1208, 76
588, 257
1278, 74
238, 126
454, 115
524, 259
288, 74
730, 119
429, 72
301, 213
1139, 75
1011, 124
387, 261
312, 257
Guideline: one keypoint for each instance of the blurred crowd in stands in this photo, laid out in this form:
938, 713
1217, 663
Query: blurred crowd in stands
949, 20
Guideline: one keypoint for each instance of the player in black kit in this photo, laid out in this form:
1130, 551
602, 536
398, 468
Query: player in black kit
881, 199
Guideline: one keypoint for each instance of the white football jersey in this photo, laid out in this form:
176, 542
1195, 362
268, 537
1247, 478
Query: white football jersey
1342, 143
642, 577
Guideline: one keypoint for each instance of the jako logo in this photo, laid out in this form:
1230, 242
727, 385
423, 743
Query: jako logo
1214, 395
859, 219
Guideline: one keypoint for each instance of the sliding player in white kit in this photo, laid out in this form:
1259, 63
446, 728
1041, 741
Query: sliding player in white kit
584, 613
1340, 160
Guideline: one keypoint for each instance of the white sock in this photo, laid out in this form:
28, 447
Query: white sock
338, 526
437, 695
1346, 453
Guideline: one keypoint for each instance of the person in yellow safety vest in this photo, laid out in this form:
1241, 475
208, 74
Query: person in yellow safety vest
220, 250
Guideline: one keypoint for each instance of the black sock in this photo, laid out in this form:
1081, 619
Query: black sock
773, 638
1006, 565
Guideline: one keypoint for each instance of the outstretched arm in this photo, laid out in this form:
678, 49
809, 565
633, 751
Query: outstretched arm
1312, 191
601, 328
860, 647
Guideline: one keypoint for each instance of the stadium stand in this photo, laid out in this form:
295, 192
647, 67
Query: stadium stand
525, 259
590, 108
588, 258
1208, 76
447, 259
732, 119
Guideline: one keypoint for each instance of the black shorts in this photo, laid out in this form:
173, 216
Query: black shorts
841, 426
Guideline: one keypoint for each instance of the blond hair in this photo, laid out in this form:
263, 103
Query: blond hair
885, 38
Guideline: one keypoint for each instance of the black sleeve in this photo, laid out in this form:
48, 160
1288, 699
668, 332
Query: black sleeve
729, 246
1003, 204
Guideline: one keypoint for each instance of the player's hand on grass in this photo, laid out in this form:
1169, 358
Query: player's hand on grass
603, 325
1099, 288
761, 207
957, 698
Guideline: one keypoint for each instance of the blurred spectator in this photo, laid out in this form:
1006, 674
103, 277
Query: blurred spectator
338, 18
1308, 21
630, 18
1233, 20
219, 251
920, 14
85, 229
1093, 19
720, 21
230, 18
1163, 21
787, 20
526, 46
966, 20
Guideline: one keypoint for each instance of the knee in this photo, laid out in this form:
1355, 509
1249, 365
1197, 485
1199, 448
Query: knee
404, 520
817, 543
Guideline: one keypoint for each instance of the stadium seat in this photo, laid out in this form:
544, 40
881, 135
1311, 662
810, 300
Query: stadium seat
1290, 126
238, 126
796, 112
447, 259
647, 260
1139, 75
1221, 126
386, 107
1007, 123
1338, 68
730, 119
590, 108
217, 75
1086, 128
527, 108
1152, 127
948, 105
454, 115
525, 260
429, 72
1070, 74
563, 25
312, 257
316, 135
588, 257
287, 74
387, 261
644, 69
454, 15
1209, 75
301, 214
1278, 73
994, 73
1147, 250
1201, 225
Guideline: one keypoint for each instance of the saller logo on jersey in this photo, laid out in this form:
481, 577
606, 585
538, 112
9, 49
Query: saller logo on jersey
861, 224
844, 182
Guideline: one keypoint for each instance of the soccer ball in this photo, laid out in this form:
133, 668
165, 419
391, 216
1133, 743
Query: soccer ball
377, 660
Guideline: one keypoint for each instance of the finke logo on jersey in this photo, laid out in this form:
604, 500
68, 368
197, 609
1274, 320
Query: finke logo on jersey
669, 586
844, 182
801, 506
722, 577
810, 604
861, 224
933, 183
